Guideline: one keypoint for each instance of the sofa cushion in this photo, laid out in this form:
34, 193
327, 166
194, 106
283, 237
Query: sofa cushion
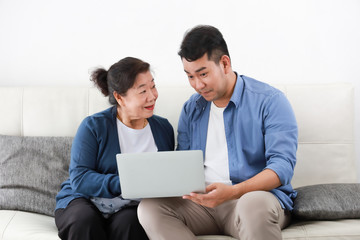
327, 201
31, 171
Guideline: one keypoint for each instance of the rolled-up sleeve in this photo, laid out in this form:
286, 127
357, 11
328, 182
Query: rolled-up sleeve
281, 137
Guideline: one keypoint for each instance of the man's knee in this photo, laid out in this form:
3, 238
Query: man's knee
148, 212
255, 211
258, 203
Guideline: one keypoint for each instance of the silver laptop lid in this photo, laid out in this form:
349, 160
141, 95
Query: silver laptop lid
161, 174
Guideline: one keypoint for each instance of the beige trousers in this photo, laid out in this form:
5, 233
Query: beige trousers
256, 215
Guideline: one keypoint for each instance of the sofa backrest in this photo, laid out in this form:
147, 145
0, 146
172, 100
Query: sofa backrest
325, 115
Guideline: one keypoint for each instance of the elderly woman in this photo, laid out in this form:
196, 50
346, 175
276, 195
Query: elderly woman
89, 204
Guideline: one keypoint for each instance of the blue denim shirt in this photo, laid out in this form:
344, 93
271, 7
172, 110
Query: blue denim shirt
261, 133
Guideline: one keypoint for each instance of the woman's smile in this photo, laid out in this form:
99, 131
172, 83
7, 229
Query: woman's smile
151, 107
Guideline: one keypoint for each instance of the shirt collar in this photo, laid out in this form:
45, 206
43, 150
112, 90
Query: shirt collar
235, 98
200, 101
239, 86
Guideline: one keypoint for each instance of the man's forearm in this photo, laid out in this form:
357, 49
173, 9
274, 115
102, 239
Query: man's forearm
263, 181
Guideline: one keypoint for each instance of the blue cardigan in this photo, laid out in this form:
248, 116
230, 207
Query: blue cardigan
93, 169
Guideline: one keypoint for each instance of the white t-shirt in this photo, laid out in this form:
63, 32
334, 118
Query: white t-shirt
135, 140
216, 152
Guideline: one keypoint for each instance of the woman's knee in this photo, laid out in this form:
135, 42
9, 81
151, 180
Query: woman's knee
125, 225
79, 218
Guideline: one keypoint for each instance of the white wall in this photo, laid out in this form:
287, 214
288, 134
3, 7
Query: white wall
48, 42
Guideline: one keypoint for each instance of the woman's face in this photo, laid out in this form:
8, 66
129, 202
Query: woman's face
139, 101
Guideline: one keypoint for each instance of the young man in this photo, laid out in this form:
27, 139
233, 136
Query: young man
248, 134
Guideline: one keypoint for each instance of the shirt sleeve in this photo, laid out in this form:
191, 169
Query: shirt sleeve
84, 177
281, 137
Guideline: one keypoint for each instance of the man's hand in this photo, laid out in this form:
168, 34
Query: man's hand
216, 194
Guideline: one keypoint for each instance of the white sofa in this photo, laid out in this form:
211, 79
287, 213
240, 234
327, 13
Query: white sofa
324, 113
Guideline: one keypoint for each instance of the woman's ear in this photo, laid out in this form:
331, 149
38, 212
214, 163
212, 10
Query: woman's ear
118, 98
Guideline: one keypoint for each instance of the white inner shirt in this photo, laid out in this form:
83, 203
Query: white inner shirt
216, 153
135, 140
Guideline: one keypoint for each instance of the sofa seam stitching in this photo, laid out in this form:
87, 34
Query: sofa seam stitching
3, 234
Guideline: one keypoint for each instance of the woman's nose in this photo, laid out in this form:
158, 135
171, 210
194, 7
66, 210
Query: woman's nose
152, 95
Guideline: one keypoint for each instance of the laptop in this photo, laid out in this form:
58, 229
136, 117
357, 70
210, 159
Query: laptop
161, 174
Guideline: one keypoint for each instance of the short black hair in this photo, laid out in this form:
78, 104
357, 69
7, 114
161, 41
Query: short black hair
203, 39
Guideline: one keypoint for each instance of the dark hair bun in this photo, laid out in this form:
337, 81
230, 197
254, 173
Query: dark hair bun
99, 77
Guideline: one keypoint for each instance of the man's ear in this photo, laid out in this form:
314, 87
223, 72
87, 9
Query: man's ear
226, 63
118, 98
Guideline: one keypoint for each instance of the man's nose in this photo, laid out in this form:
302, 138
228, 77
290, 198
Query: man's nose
199, 84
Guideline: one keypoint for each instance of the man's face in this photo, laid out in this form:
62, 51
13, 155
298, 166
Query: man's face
206, 77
